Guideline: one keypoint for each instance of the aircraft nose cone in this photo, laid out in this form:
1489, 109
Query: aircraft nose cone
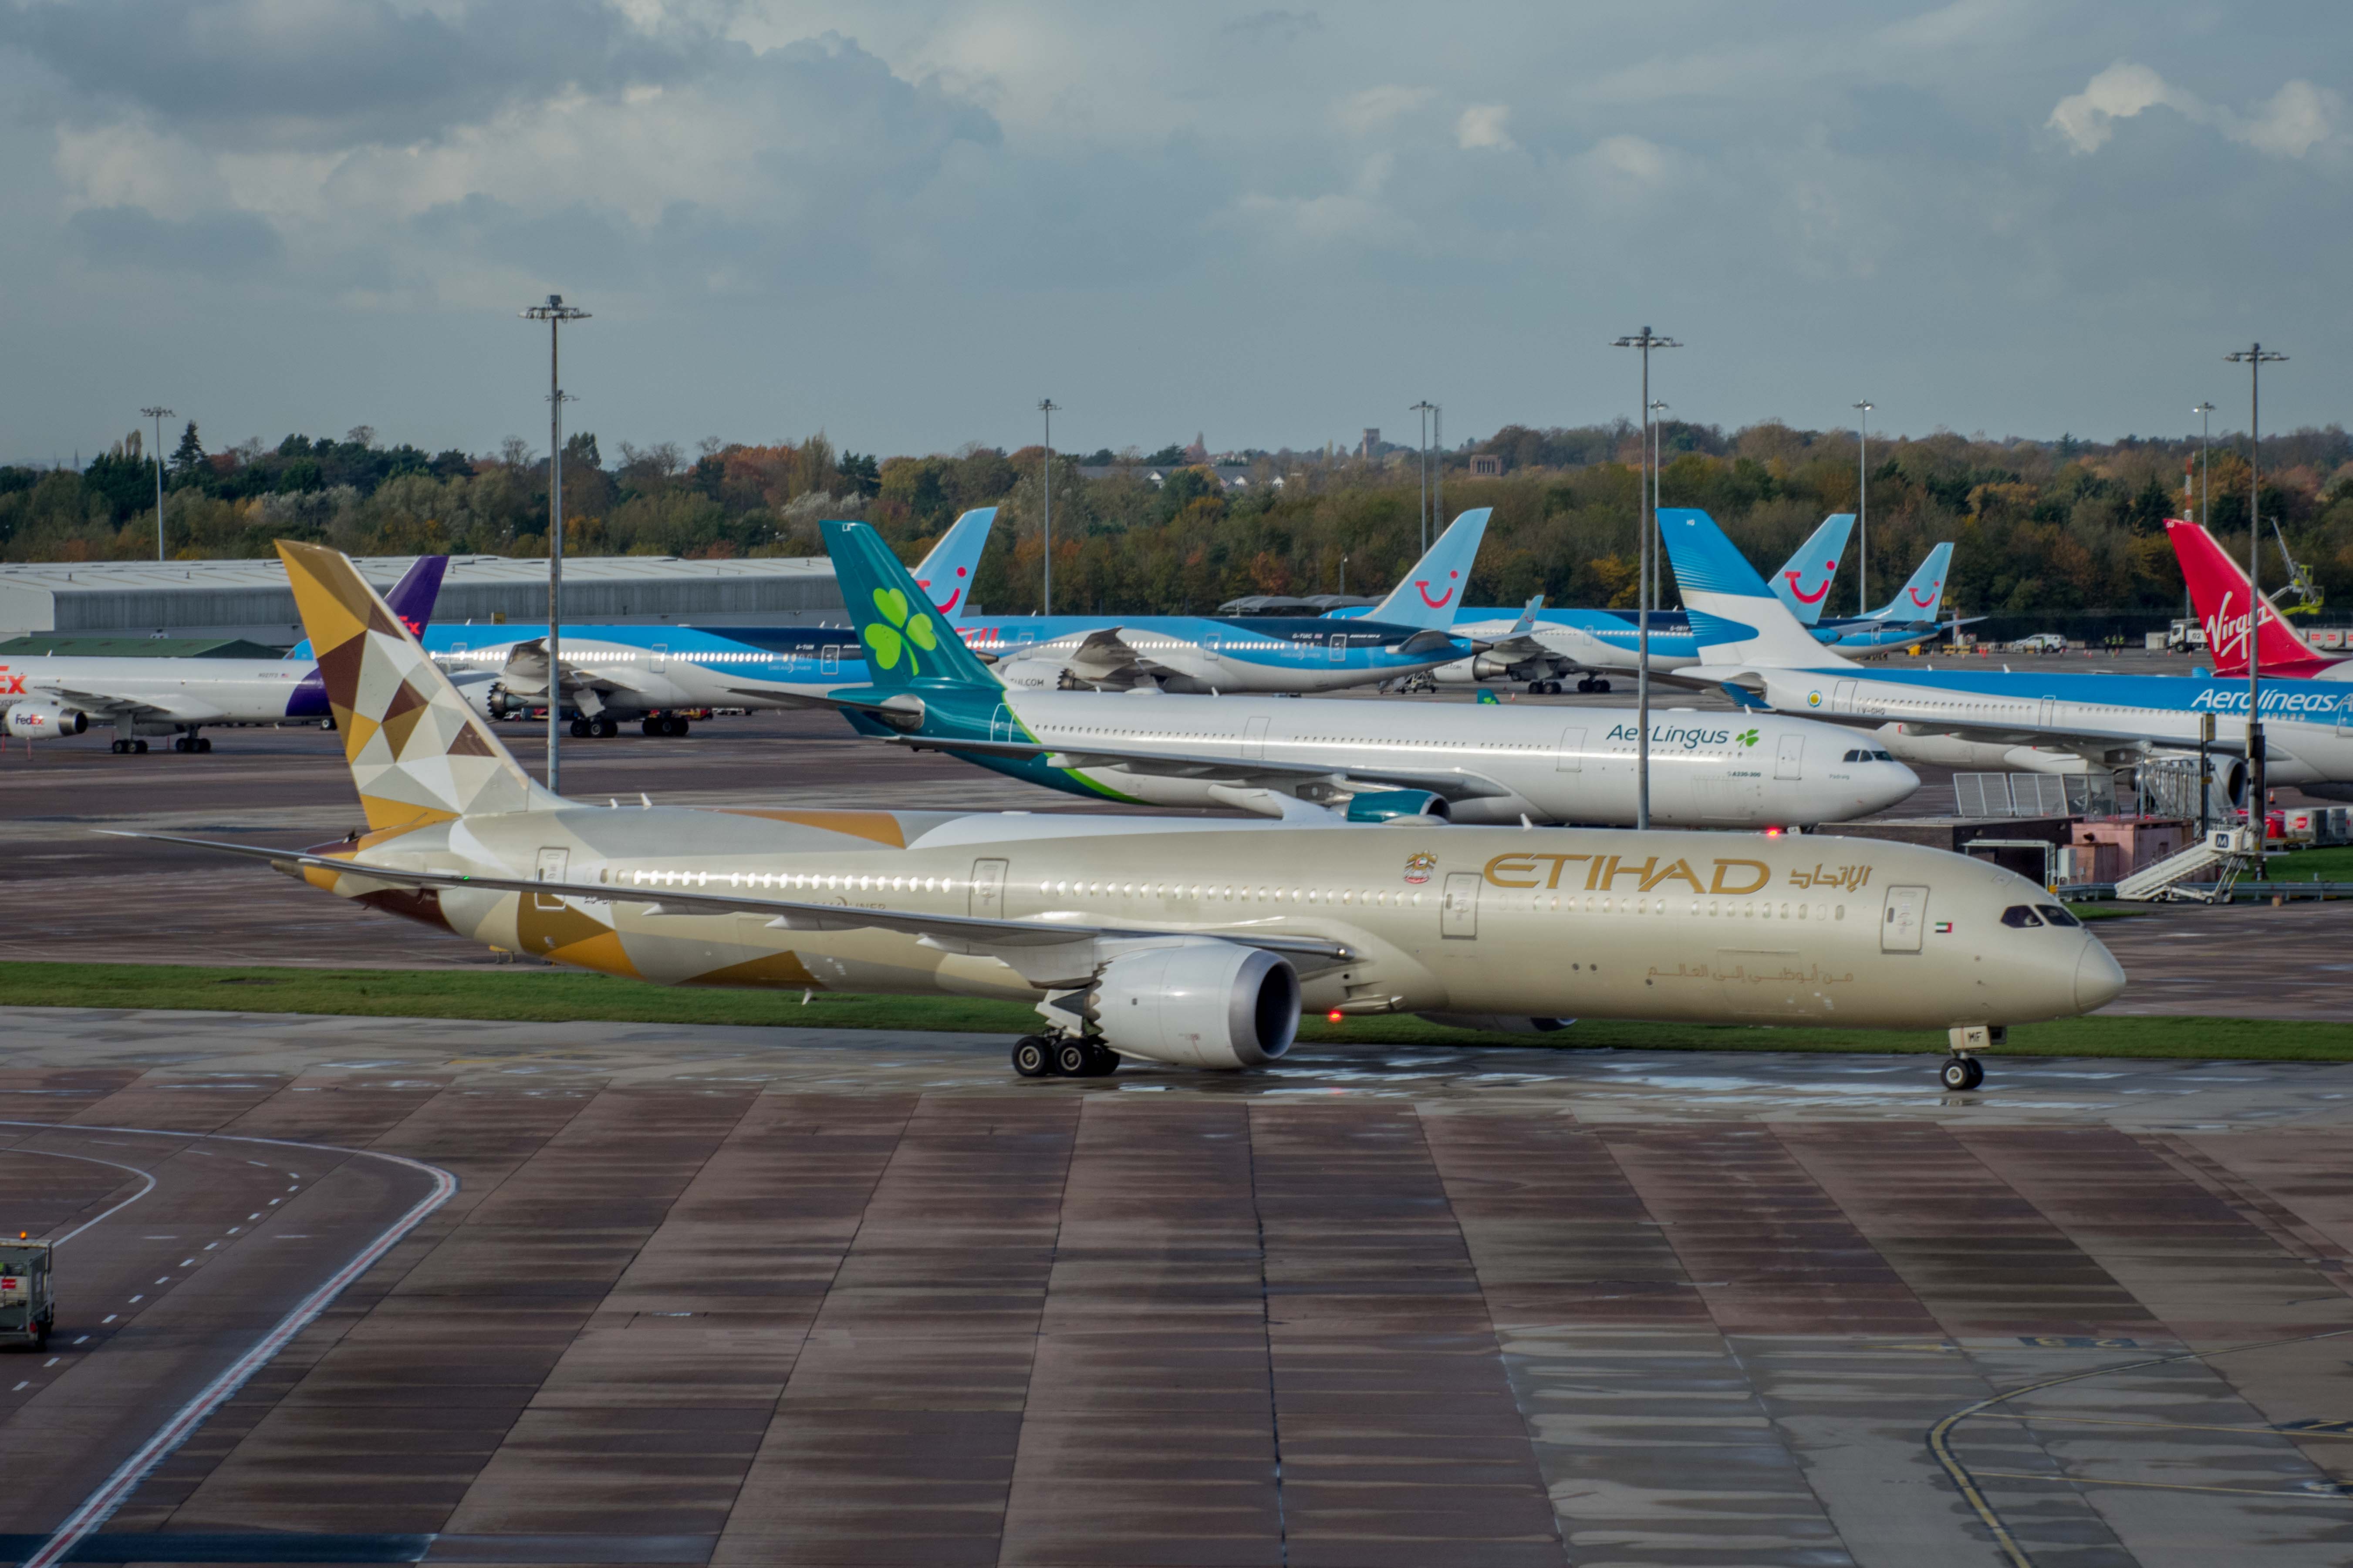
1901, 781
2099, 978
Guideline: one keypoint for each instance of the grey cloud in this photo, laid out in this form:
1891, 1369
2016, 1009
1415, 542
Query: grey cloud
218, 245
335, 72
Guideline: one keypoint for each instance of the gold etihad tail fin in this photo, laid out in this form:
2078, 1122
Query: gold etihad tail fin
418, 754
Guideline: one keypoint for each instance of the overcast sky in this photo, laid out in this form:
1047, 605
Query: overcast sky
907, 222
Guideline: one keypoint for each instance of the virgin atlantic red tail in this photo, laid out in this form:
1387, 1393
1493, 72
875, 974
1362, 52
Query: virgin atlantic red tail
2218, 592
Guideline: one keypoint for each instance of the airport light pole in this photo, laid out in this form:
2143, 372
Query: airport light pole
2205, 412
1049, 407
2254, 356
1658, 439
1645, 341
556, 312
158, 414
1424, 408
1438, 471
1862, 517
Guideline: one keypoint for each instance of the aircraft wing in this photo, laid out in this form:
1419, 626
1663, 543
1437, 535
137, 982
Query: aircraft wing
526, 670
112, 706
1071, 954
1242, 772
1746, 688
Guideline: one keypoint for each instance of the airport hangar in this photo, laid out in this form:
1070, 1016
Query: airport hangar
251, 600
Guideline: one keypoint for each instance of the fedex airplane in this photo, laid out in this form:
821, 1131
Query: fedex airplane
2220, 592
646, 672
2040, 720
66, 694
1406, 634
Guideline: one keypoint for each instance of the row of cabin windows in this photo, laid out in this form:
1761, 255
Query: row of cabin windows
1227, 892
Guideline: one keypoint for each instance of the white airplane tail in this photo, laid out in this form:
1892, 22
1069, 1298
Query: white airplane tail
1734, 617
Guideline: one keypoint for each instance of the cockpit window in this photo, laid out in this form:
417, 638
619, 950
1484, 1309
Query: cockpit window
1883, 756
2022, 916
2054, 915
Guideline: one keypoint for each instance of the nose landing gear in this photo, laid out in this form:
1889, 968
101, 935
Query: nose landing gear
1962, 1071
1962, 1074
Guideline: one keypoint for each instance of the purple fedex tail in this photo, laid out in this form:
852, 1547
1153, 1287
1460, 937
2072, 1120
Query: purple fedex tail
411, 599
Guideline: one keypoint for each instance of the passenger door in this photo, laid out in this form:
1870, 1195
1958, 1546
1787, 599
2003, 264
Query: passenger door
552, 867
1843, 697
988, 890
660, 661
1789, 761
829, 659
1001, 726
1339, 647
1458, 913
1899, 929
1254, 739
1572, 750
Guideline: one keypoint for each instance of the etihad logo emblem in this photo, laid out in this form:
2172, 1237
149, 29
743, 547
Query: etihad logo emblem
1418, 868
889, 641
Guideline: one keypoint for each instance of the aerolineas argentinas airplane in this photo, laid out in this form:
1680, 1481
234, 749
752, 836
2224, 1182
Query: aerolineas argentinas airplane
64, 694
1404, 635
1194, 944
1370, 760
2036, 719
613, 673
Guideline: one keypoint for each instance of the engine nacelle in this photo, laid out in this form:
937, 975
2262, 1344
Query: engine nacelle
38, 721
1389, 804
1496, 1023
1199, 1005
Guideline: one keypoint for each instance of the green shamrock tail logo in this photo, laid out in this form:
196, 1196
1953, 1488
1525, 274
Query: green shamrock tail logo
1748, 737
889, 641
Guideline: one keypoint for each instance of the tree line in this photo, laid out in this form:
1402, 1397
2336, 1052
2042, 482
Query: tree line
2040, 527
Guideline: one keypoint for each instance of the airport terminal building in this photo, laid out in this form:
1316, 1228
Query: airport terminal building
249, 599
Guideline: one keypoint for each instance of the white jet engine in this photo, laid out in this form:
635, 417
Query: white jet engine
1198, 1005
38, 721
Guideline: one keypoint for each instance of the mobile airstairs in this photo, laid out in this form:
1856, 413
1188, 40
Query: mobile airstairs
2225, 851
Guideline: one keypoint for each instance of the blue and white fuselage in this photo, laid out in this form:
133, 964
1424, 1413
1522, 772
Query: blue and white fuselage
1750, 645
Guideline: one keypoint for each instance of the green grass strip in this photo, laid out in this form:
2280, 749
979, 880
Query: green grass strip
548, 995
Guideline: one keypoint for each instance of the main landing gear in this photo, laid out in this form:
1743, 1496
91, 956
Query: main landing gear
130, 748
663, 724
1592, 683
187, 744
1543, 688
1063, 1056
601, 727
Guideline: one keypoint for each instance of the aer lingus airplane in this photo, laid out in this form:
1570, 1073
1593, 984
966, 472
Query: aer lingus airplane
1190, 942
1371, 760
2044, 719
64, 694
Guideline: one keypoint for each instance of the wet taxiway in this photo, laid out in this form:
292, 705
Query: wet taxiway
738, 1296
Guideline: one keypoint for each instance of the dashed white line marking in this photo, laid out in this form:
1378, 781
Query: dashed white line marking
22, 1386
188, 1262
53, 1361
253, 1217
139, 1297
274, 1201
165, 1279
108, 1318
209, 1247
232, 1231
85, 1339
263, 1164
